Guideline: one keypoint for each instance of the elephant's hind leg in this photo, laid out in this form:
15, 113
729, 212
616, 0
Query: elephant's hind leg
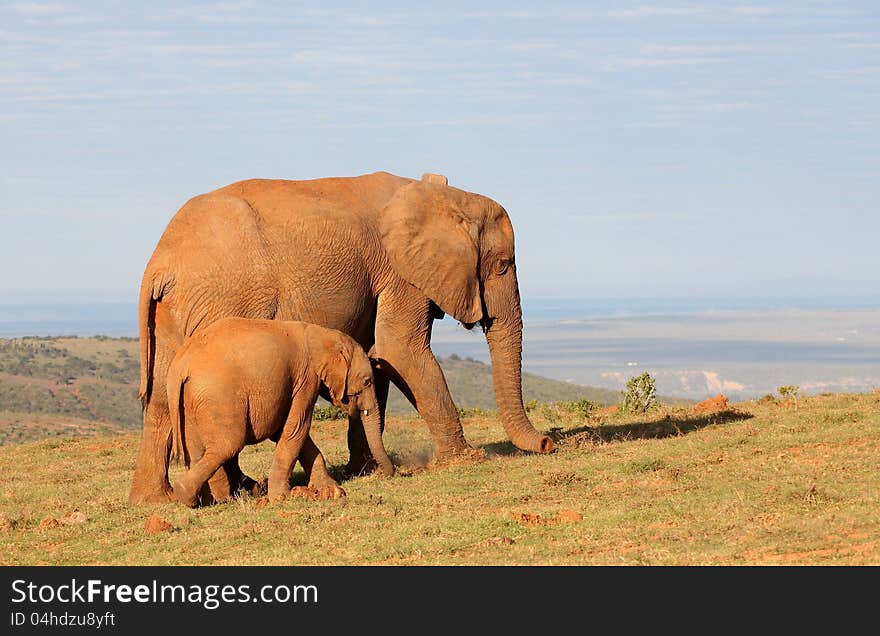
187, 488
150, 484
228, 480
221, 432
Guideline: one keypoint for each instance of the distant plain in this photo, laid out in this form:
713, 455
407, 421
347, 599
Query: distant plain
743, 348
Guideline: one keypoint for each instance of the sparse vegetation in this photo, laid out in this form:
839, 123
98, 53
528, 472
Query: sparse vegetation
789, 391
640, 394
555, 412
763, 485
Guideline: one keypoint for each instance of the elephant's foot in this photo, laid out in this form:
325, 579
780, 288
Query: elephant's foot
326, 493
325, 486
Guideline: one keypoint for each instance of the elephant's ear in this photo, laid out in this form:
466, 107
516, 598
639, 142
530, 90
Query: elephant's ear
432, 244
336, 370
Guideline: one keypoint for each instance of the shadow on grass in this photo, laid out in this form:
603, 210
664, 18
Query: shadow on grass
669, 426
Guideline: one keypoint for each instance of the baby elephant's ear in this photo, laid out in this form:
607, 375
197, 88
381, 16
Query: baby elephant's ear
336, 371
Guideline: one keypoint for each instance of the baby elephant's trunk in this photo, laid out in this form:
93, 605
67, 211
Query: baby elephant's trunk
373, 429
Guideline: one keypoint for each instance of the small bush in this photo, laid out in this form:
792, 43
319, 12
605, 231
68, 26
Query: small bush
640, 394
561, 411
787, 391
582, 407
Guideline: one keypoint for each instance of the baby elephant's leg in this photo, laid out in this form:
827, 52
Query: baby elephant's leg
186, 489
287, 449
218, 433
315, 468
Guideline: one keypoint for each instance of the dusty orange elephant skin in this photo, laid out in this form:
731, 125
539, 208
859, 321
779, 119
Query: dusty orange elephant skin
377, 257
243, 381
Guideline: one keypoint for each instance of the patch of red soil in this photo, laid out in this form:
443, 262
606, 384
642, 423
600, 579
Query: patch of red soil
156, 524
712, 405
529, 519
609, 410
49, 523
5, 522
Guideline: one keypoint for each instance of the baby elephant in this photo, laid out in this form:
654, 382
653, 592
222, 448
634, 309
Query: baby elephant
242, 381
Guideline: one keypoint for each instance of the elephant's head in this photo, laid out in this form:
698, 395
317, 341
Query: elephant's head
458, 249
345, 370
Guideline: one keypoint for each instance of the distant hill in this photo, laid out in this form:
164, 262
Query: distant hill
67, 386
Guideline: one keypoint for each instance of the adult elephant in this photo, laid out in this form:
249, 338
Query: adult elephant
378, 257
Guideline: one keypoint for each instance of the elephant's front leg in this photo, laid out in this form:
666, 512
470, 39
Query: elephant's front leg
403, 337
292, 441
320, 481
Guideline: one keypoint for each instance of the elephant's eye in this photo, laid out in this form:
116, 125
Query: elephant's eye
501, 266
367, 382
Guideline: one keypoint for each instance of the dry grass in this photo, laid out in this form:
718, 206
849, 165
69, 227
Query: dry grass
765, 486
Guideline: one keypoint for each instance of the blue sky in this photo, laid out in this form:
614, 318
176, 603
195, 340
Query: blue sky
641, 149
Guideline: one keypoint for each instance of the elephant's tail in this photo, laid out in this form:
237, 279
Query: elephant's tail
154, 286
178, 374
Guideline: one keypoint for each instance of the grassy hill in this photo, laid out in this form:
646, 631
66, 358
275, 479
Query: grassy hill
766, 483
88, 385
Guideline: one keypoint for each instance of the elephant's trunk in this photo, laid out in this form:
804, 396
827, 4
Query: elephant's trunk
373, 429
505, 346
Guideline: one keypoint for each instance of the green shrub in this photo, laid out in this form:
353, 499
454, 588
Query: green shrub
582, 407
640, 394
559, 411
787, 391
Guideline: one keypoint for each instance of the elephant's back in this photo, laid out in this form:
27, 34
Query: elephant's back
250, 349
280, 200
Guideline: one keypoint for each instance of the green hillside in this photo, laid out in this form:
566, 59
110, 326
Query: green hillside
761, 483
89, 385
